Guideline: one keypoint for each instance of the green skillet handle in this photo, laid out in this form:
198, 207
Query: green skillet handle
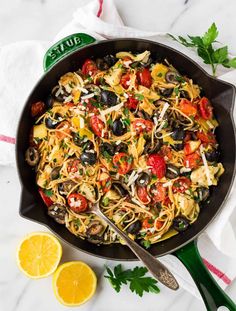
212, 294
64, 47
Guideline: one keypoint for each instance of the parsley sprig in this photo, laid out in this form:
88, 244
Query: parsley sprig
205, 46
138, 282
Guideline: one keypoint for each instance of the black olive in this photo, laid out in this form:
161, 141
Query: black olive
135, 227
143, 180
142, 114
88, 145
172, 171
58, 212
148, 148
55, 173
65, 187
194, 136
109, 98
184, 94
166, 92
203, 193
106, 147
119, 188
178, 134
178, 147
32, 156
95, 228
52, 123
110, 60
88, 157
121, 147
101, 64
119, 128
171, 77
79, 141
59, 96
49, 102
212, 155
180, 223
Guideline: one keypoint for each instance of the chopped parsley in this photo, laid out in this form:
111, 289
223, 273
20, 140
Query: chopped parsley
146, 243
176, 91
105, 201
48, 192
139, 96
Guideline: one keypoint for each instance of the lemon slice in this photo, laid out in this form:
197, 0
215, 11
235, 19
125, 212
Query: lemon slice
74, 283
39, 254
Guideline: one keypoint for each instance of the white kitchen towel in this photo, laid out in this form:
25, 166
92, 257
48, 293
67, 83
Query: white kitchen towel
21, 67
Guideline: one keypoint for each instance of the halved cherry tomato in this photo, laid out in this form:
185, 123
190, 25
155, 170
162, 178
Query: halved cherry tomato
166, 151
193, 160
181, 184
188, 108
132, 102
105, 181
205, 108
144, 77
63, 130
166, 201
143, 195
158, 192
89, 67
125, 81
97, 126
147, 223
208, 138
123, 162
191, 146
77, 202
158, 224
158, 165
47, 200
142, 125
73, 166
69, 104
37, 109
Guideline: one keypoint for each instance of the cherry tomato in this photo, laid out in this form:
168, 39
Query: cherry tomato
158, 224
37, 109
105, 181
147, 223
193, 160
63, 130
89, 67
166, 151
142, 125
132, 102
143, 195
46, 199
69, 104
166, 201
123, 162
208, 138
158, 165
191, 146
77, 202
97, 126
158, 192
205, 108
188, 108
125, 81
73, 166
181, 184
144, 77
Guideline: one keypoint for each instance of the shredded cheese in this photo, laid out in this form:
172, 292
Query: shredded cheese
111, 109
163, 111
207, 172
87, 96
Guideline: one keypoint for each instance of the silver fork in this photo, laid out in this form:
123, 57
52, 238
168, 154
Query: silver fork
156, 268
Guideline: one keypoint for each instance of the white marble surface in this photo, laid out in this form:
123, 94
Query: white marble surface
41, 20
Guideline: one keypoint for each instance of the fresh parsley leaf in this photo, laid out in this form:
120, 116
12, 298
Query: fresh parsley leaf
139, 96
138, 282
176, 91
105, 201
146, 243
126, 122
48, 192
220, 55
210, 36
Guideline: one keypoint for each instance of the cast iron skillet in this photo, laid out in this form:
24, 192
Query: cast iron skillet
183, 245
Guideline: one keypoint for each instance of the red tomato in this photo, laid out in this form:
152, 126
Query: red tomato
205, 108
89, 67
191, 146
123, 162
166, 152
97, 126
166, 201
105, 181
45, 198
69, 104
158, 224
142, 125
143, 195
132, 102
193, 160
158, 192
73, 166
63, 130
147, 223
188, 108
77, 202
181, 184
158, 165
37, 109
208, 138
144, 77
125, 81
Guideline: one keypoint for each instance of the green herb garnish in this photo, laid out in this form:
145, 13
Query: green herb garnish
138, 282
146, 243
126, 122
139, 96
105, 201
48, 192
206, 50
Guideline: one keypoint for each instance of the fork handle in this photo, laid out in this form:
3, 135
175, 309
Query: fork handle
156, 268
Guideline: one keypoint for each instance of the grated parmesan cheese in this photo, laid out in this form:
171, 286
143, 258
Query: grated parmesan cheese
87, 96
163, 111
109, 110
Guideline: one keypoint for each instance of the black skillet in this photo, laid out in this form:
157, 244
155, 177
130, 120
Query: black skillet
68, 55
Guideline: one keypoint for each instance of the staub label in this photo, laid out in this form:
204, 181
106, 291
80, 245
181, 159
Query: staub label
64, 46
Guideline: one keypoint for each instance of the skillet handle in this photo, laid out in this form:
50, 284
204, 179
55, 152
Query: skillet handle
212, 294
64, 47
